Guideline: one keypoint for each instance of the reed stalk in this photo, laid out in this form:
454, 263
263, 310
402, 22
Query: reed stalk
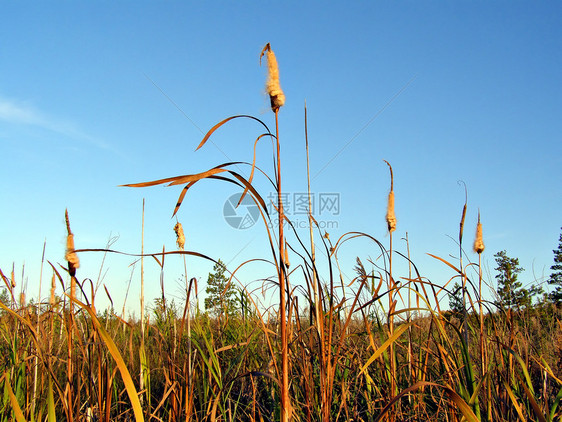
391, 225
277, 100
36, 365
142, 321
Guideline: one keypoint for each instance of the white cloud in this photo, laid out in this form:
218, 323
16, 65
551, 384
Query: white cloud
25, 114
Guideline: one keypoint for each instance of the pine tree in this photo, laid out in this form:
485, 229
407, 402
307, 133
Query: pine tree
509, 289
221, 298
455, 301
511, 292
556, 277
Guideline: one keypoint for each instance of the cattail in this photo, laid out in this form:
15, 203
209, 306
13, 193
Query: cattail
273, 87
13, 279
461, 229
478, 241
53, 287
71, 257
180, 238
286, 257
390, 215
22, 299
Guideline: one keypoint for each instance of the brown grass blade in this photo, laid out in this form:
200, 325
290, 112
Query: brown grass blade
218, 125
114, 351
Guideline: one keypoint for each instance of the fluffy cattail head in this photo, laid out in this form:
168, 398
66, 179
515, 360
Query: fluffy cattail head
479, 241
70, 256
53, 287
390, 216
180, 238
273, 87
286, 257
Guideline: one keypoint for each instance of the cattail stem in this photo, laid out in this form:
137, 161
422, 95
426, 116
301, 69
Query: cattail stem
38, 314
285, 400
142, 363
463, 275
277, 99
391, 225
479, 248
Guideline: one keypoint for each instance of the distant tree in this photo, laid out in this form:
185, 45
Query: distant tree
455, 300
511, 292
556, 277
5, 297
221, 298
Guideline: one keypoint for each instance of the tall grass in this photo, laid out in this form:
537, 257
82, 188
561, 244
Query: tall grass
328, 350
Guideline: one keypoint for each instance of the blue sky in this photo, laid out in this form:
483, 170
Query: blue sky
95, 95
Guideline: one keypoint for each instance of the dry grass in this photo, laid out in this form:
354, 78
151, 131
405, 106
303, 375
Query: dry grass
334, 352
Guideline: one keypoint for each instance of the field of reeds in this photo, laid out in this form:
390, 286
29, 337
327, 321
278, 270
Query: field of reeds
377, 348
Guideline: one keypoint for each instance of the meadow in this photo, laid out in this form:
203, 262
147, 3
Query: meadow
377, 348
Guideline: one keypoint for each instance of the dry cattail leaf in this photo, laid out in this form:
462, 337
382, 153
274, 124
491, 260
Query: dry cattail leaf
479, 240
180, 238
273, 87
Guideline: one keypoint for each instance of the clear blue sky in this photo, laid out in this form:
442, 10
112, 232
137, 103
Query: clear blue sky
94, 95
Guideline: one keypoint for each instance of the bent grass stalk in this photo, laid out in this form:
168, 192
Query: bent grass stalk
346, 361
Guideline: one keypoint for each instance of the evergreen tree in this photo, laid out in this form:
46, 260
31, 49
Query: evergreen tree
511, 292
5, 298
556, 277
455, 301
221, 298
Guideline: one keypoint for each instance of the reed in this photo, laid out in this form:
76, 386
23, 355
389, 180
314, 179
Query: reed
328, 349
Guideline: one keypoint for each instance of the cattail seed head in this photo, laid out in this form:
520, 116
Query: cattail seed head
180, 238
390, 215
286, 257
53, 287
71, 257
22, 299
479, 241
273, 87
